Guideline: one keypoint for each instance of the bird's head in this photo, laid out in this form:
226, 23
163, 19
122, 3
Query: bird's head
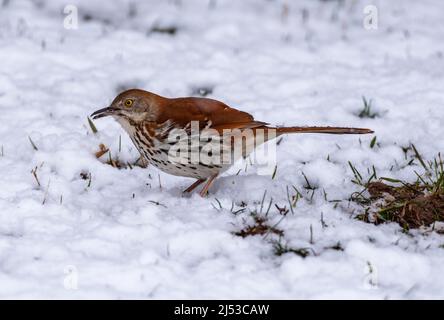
133, 105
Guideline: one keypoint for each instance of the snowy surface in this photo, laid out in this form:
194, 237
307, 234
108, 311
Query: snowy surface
125, 236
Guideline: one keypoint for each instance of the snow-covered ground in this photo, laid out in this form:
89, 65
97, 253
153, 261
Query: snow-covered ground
130, 233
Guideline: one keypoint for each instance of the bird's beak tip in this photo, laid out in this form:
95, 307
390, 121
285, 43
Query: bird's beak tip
101, 113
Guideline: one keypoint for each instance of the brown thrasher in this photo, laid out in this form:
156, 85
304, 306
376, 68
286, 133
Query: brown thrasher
160, 128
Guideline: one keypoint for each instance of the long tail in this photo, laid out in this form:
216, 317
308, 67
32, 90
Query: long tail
329, 130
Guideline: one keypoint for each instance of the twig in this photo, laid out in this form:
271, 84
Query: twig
274, 172
33, 144
34, 173
157, 203
311, 234
46, 192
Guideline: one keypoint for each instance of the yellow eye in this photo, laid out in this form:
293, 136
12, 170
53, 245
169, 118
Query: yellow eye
128, 103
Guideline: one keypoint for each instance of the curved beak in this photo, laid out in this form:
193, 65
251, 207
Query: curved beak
103, 112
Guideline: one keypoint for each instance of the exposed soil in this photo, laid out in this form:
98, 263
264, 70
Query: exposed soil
410, 205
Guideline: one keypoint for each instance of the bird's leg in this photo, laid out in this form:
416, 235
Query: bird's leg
197, 183
207, 185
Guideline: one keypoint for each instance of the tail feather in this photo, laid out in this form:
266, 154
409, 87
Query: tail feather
329, 130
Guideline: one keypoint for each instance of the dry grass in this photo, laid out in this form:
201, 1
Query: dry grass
260, 227
102, 150
115, 161
410, 204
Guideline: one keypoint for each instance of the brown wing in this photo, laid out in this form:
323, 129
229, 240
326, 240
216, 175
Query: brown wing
210, 112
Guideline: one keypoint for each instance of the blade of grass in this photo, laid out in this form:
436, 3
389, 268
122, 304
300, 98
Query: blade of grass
356, 173
92, 126
289, 201
262, 202
418, 156
373, 142
390, 180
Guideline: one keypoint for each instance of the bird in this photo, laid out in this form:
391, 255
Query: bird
195, 137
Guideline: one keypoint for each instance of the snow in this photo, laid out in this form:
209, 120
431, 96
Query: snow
128, 236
